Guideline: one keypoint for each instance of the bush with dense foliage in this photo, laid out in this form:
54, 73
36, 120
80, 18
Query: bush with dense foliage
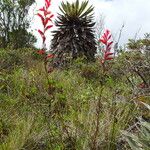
79, 108
14, 24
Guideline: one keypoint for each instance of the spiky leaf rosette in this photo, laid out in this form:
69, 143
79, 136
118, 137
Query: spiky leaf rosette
74, 36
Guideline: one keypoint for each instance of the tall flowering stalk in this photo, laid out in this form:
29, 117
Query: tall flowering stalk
45, 15
106, 51
106, 55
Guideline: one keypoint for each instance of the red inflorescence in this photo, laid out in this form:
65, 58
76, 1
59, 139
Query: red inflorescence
106, 40
45, 16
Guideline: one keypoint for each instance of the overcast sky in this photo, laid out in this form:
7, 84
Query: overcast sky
134, 14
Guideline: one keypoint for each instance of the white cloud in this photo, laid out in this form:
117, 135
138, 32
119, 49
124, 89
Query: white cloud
134, 13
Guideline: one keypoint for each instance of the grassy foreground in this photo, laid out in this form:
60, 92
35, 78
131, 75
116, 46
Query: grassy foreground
81, 108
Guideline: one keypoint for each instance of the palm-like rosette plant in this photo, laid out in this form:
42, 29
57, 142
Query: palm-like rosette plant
75, 35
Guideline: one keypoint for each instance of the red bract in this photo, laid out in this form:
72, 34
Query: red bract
48, 27
42, 9
47, 3
108, 55
50, 56
105, 39
45, 16
42, 35
42, 18
41, 52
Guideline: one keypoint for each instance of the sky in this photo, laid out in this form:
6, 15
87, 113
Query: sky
134, 14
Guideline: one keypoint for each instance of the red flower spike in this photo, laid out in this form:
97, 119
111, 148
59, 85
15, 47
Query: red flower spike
45, 17
107, 55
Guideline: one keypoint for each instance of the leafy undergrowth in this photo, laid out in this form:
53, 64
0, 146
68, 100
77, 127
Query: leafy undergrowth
79, 109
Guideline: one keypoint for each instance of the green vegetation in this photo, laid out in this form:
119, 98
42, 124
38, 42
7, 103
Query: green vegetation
14, 23
140, 140
80, 107
83, 102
